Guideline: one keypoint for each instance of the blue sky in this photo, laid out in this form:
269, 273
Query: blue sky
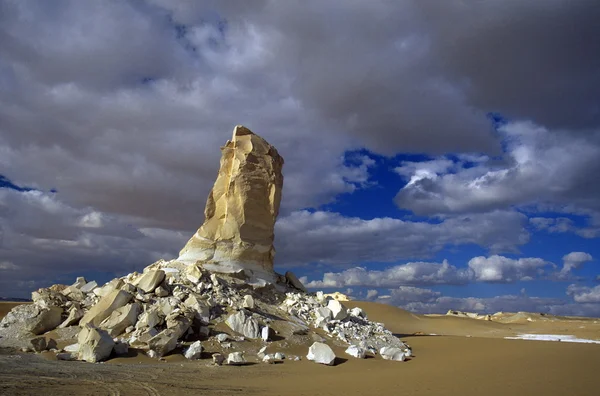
438, 155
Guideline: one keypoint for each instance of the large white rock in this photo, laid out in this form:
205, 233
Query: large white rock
244, 324
31, 318
194, 351
321, 353
392, 353
164, 342
200, 308
338, 310
95, 344
121, 318
107, 304
150, 280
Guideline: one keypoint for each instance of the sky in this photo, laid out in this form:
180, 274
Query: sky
438, 155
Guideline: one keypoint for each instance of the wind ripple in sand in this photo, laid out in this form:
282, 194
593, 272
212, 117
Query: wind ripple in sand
552, 337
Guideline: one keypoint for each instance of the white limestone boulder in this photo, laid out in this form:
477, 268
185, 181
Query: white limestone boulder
107, 304
31, 318
120, 319
95, 344
164, 342
320, 352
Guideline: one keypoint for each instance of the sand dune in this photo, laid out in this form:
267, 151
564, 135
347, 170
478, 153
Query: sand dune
449, 364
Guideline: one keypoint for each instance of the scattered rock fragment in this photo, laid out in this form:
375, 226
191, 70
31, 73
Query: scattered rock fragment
236, 359
356, 351
271, 359
218, 359
392, 353
267, 333
38, 344
222, 337
194, 351
248, 302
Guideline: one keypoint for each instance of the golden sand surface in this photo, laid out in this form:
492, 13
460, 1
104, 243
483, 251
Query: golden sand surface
452, 364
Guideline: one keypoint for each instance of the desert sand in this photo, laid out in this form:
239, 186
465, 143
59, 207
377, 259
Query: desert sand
468, 357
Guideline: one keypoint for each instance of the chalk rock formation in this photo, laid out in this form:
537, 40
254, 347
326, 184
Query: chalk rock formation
241, 209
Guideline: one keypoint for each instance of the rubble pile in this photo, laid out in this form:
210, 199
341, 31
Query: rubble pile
349, 326
171, 305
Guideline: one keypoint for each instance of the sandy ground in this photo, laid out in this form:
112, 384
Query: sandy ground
484, 363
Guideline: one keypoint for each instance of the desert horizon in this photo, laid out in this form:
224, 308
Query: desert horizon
468, 356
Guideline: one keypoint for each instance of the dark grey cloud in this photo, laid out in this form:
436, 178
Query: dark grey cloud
528, 60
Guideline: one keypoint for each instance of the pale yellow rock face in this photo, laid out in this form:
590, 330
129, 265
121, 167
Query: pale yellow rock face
242, 207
